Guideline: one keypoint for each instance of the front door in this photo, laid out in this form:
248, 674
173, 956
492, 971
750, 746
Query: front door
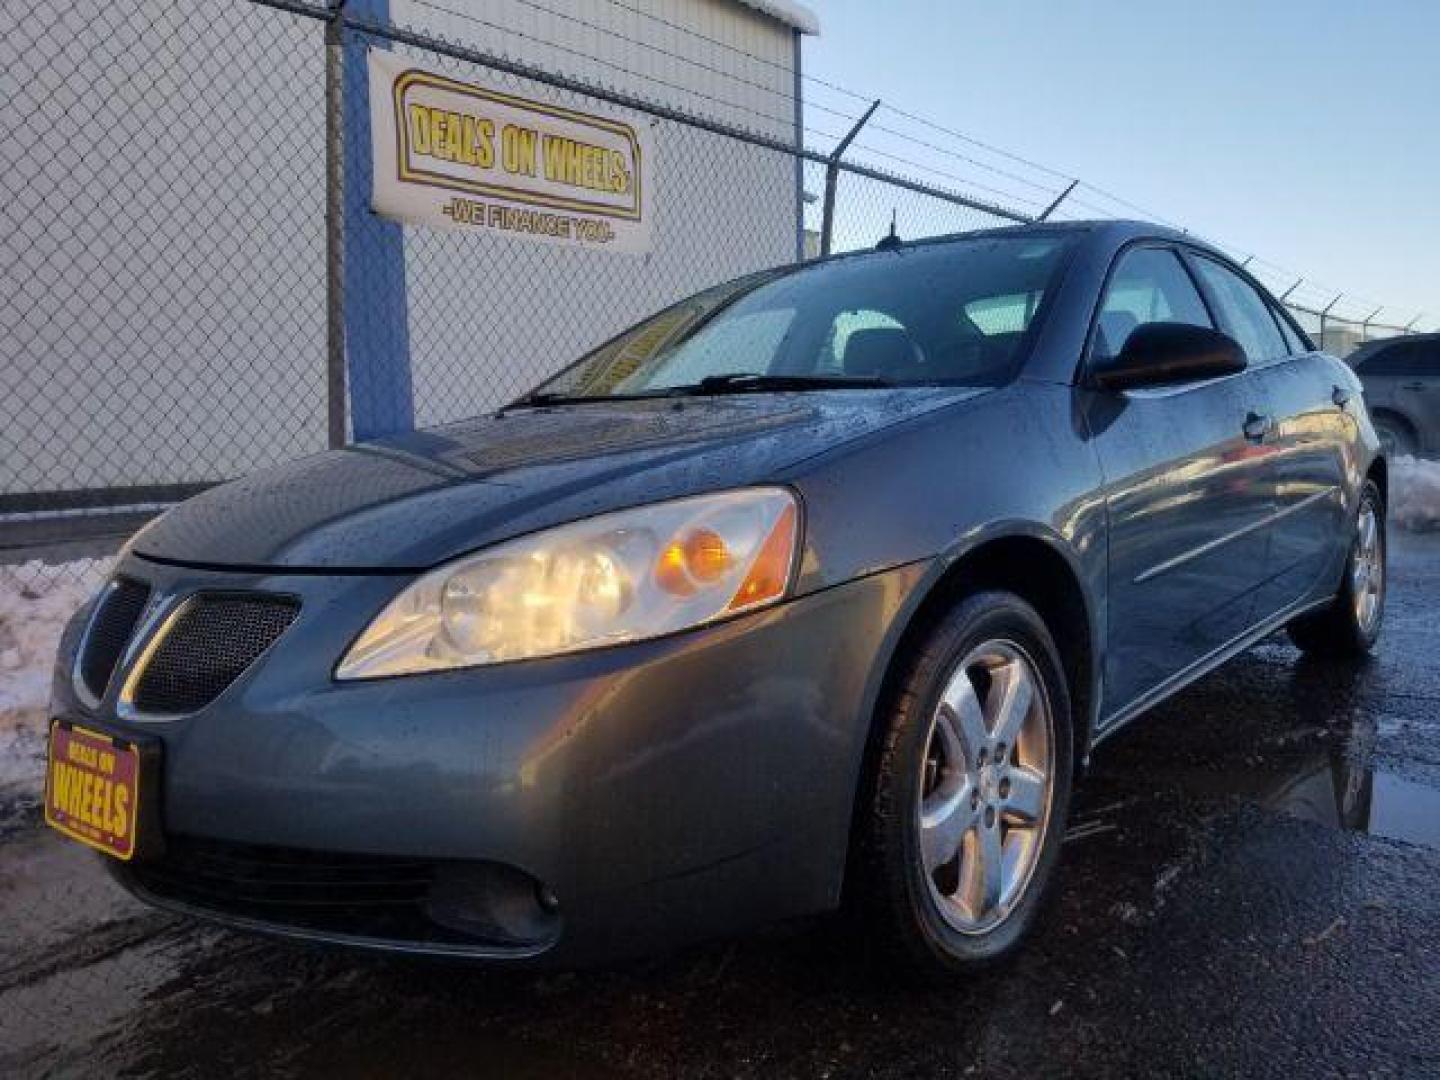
1188, 494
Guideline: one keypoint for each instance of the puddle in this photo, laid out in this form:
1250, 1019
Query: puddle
1350, 796
1404, 810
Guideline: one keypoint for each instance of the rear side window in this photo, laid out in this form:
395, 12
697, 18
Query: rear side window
1148, 286
1246, 316
1404, 358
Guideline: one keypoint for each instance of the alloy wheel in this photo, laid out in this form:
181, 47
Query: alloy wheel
985, 786
1367, 568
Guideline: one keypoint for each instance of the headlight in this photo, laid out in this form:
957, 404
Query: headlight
620, 577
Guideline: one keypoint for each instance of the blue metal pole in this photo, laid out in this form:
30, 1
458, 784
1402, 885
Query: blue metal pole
799, 161
377, 328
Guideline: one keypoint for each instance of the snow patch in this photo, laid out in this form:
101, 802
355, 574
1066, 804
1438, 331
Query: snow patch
1415, 493
36, 601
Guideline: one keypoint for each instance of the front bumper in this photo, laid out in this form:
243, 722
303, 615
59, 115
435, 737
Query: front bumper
649, 793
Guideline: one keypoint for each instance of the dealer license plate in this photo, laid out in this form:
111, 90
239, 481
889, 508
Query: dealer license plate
92, 788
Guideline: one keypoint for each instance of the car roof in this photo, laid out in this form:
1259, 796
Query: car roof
1381, 343
1109, 234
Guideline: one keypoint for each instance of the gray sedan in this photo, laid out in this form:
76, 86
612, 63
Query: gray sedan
816, 589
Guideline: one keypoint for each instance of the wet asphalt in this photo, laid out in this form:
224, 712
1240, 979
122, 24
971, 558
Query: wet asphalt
1251, 887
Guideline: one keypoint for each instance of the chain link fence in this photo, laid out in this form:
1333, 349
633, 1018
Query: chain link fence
1341, 330
176, 313
159, 320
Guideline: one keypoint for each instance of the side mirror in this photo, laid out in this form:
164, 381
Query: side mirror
1162, 354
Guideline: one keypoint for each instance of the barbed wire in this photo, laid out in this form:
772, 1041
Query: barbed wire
691, 32
737, 106
849, 117
1120, 206
1049, 189
959, 181
1099, 194
950, 177
784, 95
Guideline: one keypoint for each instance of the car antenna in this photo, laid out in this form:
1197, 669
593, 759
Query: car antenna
893, 241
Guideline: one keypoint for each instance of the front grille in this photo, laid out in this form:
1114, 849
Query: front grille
110, 629
207, 646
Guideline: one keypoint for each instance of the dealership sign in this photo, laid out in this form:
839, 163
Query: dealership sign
462, 156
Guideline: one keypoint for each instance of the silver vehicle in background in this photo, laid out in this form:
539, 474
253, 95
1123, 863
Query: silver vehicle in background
1402, 386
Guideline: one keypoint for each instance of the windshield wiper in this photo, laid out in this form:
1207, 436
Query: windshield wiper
540, 398
547, 397
732, 382
744, 382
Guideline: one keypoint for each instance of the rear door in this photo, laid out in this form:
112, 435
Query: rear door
1187, 495
1303, 397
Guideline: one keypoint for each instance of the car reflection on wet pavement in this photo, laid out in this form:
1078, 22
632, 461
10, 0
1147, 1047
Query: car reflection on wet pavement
1249, 888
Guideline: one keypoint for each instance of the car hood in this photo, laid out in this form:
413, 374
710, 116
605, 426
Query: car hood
412, 501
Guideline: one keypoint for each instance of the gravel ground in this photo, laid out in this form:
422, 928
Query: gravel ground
1248, 889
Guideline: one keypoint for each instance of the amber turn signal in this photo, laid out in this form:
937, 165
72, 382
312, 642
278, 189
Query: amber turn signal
770, 572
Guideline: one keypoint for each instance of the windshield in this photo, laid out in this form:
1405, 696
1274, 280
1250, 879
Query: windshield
947, 313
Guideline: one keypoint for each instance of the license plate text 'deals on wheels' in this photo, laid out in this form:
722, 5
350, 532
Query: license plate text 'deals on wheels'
92, 789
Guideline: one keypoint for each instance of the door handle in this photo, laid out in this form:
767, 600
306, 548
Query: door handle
1257, 427
1412, 386
1340, 396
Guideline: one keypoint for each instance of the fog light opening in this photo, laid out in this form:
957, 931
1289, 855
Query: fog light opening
495, 903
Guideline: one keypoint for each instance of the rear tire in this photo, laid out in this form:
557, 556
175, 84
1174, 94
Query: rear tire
967, 801
1350, 624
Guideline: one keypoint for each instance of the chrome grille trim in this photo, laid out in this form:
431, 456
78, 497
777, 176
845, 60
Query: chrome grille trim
88, 697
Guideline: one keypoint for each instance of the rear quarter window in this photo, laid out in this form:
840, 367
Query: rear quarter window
1293, 341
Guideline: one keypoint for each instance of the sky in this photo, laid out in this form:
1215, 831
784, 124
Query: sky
1304, 133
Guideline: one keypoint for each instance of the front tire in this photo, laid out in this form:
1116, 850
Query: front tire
969, 794
1350, 624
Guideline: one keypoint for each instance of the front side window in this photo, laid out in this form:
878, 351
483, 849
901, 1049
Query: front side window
957, 312
1243, 311
1148, 286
